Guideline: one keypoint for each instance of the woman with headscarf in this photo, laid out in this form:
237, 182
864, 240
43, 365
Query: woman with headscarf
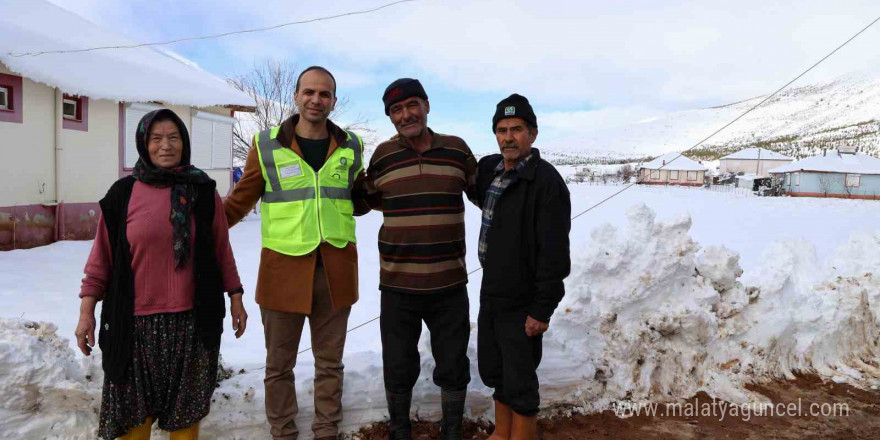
160, 262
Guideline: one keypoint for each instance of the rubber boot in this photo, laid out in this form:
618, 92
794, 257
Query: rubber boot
452, 403
503, 414
141, 432
523, 427
191, 433
399, 426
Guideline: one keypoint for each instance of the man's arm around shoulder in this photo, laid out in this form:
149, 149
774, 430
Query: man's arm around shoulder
247, 191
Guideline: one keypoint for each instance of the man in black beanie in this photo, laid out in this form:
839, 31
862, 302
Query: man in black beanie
524, 265
417, 179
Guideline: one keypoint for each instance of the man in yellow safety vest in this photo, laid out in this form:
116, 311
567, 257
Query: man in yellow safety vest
304, 171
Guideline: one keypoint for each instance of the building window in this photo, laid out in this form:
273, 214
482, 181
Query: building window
211, 141
787, 178
853, 180
692, 176
673, 175
70, 109
797, 179
11, 99
655, 174
75, 112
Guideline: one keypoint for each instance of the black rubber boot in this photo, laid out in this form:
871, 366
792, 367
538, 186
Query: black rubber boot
452, 403
399, 426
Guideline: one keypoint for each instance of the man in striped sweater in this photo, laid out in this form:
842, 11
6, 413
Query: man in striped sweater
417, 179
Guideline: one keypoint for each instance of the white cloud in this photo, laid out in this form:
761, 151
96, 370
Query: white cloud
673, 54
627, 56
595, 119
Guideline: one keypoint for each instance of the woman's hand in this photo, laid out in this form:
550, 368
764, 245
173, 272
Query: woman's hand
85, 329
239, 315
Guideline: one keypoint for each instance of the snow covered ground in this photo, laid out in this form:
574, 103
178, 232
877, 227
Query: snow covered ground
656, 309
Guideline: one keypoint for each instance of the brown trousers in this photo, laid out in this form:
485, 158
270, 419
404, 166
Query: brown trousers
283, 331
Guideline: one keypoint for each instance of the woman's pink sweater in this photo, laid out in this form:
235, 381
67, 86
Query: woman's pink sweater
158, 287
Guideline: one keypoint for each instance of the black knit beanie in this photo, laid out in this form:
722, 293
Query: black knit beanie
515, 106
401, 89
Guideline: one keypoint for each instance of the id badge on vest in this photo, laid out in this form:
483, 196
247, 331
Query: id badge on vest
290, 171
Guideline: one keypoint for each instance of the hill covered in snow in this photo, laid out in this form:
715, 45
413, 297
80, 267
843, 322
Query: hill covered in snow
798, 122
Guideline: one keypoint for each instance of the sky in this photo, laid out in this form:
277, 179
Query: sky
584, 65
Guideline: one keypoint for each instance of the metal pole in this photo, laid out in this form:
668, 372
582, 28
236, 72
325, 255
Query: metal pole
758, 170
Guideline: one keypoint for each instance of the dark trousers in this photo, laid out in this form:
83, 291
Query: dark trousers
507, 358
446, 315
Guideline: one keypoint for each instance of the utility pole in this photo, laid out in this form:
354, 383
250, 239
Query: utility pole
758, 171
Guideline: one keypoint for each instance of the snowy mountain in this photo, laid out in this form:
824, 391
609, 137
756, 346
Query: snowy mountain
798, 122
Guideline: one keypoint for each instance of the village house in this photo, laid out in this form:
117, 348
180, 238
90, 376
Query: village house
67, 120
672, 169
842, 173
755, 161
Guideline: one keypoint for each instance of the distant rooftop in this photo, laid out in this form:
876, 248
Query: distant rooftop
756, 153
834, 162
674, 161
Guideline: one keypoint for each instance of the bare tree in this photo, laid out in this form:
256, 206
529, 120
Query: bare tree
580, 175
272, 84
625, 173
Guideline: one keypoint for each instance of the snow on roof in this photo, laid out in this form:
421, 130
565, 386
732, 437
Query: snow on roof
752, 153
833, 162
127, 75
674, 161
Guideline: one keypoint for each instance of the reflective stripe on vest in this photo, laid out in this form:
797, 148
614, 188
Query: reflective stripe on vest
301, 207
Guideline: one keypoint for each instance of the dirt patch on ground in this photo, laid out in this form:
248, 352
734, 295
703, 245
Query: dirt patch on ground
805, 408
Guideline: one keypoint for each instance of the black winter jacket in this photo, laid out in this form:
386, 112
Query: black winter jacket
527, 254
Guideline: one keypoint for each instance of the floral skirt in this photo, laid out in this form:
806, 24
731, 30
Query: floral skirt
171, 377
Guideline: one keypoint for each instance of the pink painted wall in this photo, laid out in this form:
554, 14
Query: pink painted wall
28, 226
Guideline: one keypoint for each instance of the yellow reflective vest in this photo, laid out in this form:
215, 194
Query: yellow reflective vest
300, 208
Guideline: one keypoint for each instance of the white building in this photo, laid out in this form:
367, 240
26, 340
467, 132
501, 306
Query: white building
757, 161
67, 119
672, 169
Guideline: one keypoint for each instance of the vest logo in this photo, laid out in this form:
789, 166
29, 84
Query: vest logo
509, 111
343, 161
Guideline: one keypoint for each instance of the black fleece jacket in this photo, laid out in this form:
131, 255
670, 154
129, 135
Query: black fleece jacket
527, 255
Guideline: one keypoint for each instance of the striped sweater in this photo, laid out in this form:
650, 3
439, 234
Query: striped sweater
421, 242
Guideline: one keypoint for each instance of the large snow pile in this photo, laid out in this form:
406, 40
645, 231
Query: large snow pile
651, 318
648, 315
46, 392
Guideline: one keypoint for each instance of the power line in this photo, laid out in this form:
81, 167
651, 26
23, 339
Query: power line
208, 37
691, 148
